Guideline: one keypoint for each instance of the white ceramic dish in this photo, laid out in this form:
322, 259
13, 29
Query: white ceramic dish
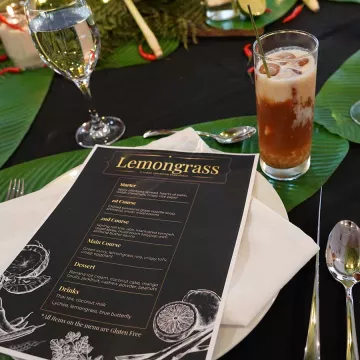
229, 336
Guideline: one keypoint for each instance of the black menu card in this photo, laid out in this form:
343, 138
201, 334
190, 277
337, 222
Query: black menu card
135, 261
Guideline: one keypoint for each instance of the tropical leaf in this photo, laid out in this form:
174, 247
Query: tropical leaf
327, 153
336, 97
20, 100
278, 10
5, 357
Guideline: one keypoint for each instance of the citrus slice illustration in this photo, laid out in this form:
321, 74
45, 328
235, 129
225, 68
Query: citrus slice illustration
207, 304
175, 321
25, 285
31, 261
23, 274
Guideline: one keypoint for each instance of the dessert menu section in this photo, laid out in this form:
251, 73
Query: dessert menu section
134, 262
126, 252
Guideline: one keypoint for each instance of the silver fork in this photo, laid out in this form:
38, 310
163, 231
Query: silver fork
15, 189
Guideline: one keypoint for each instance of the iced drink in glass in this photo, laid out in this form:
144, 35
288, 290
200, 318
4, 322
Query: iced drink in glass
285, 102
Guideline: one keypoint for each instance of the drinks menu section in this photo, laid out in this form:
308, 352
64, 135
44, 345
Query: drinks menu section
127, 250
135, 261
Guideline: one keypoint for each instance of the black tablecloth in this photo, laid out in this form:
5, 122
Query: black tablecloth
206, 83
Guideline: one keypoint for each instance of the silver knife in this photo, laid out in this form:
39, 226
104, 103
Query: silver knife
312, 348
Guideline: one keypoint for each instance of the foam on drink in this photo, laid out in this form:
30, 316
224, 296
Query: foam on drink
279, 87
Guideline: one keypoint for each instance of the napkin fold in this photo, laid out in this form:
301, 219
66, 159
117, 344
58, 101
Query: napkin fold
272, 249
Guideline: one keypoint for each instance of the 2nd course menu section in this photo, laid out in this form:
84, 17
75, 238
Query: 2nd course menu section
133, 261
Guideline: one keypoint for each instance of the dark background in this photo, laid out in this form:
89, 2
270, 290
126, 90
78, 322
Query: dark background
209, 82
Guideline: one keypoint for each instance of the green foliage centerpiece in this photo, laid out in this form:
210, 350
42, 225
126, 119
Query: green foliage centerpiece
172, 19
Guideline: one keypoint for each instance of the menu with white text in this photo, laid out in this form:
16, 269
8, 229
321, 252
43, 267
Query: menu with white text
135, 261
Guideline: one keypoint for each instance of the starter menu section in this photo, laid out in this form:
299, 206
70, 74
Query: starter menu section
118, 270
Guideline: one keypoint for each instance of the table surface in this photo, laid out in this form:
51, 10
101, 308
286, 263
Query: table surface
206, 83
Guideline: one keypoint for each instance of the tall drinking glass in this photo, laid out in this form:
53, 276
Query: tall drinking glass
285, 102
68, 41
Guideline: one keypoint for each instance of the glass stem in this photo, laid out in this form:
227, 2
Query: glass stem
84, 86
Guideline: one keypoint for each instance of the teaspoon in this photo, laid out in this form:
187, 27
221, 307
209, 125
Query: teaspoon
228, 136
343, 262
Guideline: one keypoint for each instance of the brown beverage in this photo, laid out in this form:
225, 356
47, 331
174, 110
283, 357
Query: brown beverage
285, 107
285, 111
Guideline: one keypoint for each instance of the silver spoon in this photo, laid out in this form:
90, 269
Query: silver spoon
228, 136
343, 262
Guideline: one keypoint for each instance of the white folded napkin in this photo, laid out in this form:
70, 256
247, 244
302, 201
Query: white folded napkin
270, 243
272, 251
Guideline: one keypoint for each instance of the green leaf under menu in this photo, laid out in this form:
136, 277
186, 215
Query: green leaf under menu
334, 101
5, 357
278, 10
327, 153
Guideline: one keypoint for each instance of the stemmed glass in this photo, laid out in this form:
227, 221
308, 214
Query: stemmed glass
355, 112
68, 41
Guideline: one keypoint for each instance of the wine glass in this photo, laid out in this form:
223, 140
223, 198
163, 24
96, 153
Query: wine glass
68, 41
355, 112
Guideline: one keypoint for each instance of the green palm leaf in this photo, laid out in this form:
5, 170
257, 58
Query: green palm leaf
336, 97
20, 100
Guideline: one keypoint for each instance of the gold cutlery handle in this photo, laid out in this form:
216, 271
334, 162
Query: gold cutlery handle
312, 348
352, 352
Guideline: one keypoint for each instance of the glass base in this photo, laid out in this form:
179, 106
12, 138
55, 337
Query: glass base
285, 174
111, 130
355, 112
